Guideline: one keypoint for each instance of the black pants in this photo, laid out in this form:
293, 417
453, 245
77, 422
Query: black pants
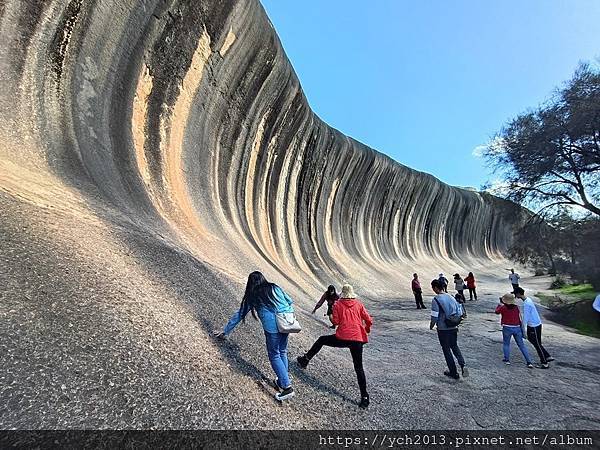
472, 292
514, 287
419, 299
534, 335
448, 341
356, 349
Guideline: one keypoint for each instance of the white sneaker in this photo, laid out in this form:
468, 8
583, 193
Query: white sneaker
285, 394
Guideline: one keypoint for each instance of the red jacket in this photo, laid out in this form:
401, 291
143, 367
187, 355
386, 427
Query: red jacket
416, 286
510, 316
470, 282
349, 315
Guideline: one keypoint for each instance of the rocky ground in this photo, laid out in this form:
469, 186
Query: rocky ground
107, 325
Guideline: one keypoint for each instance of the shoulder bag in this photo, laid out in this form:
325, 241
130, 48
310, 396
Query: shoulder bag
287, 322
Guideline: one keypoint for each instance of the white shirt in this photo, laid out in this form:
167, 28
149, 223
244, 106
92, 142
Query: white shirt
531, 317
514, 278
596, 304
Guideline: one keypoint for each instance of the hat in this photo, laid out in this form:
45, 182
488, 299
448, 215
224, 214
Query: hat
508, 299
347, 292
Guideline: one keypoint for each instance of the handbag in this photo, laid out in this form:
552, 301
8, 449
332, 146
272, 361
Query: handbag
287, 322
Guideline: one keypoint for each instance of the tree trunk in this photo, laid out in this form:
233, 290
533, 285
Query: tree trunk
552, 265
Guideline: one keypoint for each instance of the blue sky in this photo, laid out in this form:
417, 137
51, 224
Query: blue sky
426, 82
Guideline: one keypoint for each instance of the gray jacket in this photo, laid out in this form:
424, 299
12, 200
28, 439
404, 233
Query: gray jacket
448, 306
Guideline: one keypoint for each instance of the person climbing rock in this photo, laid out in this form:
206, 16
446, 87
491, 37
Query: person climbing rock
470, 280
353, 325
443, 282
265, 299
330, 296
443, 306
417, 291
511, 327
533, 322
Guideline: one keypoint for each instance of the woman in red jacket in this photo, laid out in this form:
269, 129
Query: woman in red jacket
511, 327
353, 324
470, 280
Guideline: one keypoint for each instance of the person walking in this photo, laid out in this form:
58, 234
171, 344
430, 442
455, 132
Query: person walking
470, 280
460, 299
330, 296
443, 306
353, 325
514, 279
417, 291
511, 327
533, 322
265, 299
444, 282
459, 285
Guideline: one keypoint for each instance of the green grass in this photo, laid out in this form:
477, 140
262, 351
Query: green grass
589, 329
581, 291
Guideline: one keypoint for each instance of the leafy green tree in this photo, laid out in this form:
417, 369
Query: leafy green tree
550, 157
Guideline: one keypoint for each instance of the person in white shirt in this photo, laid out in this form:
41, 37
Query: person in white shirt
514, 279
531, 318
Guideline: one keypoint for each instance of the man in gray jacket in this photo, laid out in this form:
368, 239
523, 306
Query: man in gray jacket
442, 306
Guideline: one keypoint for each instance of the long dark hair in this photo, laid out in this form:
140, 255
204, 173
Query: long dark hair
331, 293
471, 275
258, 292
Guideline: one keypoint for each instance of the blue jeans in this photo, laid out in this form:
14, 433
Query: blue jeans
277, 344
507, 333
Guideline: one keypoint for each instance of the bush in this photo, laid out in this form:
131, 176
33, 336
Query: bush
558, 283
539, 272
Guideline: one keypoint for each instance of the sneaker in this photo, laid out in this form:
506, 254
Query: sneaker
452, 375
506, 361
276, 384
465, 371
364, 402
549, 359
529, 366
287, 393
302, 361
545, 366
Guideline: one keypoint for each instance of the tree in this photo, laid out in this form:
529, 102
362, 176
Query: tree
560, 244
550, 157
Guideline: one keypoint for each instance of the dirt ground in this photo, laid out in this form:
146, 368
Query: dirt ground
107, 325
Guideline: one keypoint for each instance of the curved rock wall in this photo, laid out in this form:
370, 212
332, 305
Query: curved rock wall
187, 118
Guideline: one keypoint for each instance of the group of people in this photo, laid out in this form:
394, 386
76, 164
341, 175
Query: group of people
352, 324
459, 284
347, 314
447, 312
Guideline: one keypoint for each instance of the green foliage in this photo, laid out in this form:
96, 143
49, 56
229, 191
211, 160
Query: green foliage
550, 157
561, 245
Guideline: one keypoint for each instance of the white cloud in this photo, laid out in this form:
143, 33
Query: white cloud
495, 146
498, 187
478, 151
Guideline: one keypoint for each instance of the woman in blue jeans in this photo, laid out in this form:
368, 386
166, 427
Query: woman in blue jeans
265, 299
511, 327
